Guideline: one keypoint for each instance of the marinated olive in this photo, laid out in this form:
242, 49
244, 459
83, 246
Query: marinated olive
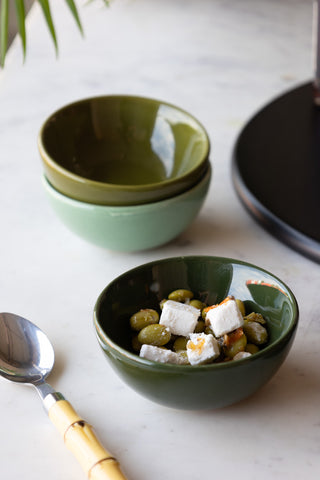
235, 347
203, 313
255, 332
157, 335
136, 345
197, 304
241, 306
200, 326
144, 317
243, 341
180, 343
251, 348
180, 295
208, 331
255, 317
163, 301
183, 357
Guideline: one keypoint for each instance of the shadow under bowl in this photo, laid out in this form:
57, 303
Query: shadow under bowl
122, 150
130, 228
211, 279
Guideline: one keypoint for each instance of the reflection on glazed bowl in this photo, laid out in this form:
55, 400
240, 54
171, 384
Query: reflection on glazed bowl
122, 150
212, 279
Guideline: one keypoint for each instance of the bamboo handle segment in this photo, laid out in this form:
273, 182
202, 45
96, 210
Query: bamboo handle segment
79, 437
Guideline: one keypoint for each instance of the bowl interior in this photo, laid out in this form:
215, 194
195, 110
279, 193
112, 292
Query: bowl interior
123, 140
210, 278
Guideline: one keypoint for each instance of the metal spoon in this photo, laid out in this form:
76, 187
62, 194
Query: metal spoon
27, 356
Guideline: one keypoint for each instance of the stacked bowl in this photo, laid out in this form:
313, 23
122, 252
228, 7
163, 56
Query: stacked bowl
123, 172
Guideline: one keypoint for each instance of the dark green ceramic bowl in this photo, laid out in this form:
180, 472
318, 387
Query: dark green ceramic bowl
212, 278
122, 150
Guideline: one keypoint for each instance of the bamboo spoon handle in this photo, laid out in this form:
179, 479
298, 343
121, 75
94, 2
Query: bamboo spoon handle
79, 437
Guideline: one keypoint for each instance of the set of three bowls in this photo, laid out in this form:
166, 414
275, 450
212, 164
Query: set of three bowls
123, 172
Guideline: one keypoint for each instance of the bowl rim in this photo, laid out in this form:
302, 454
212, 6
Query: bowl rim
130, 209
135, 359
67, 174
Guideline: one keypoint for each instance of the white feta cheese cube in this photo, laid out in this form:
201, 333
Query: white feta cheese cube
225, 317
241, 355
202, 348
158, 354
179, 318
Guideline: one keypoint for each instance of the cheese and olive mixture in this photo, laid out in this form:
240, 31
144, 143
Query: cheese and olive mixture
189, 332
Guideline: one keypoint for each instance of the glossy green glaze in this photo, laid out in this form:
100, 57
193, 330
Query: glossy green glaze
132, 228
122, 150
211, 279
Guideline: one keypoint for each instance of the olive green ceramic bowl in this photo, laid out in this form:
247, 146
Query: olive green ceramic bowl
134, 227
211, 278
122, 150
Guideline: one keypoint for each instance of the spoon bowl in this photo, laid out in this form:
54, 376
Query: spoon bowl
26, 354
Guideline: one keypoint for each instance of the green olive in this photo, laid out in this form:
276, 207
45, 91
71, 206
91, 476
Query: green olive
163, 301
180, 343
183, 356
144, 317
197, 304
241, 306
255, 317
155, 334
251, 348
236, 347
255, 332
200, 326
208, 331
147, 330
136, 345
180, 295
204, 312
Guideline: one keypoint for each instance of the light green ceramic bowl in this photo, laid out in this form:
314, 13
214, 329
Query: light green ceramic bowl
131, 228
122, 150
211, 279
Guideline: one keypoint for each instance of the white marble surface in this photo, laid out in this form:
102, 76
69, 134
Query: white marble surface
221, 60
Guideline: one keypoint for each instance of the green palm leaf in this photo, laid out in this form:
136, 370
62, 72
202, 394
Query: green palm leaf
4, 21
47, 15
106, 2
21, 14
75, 14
